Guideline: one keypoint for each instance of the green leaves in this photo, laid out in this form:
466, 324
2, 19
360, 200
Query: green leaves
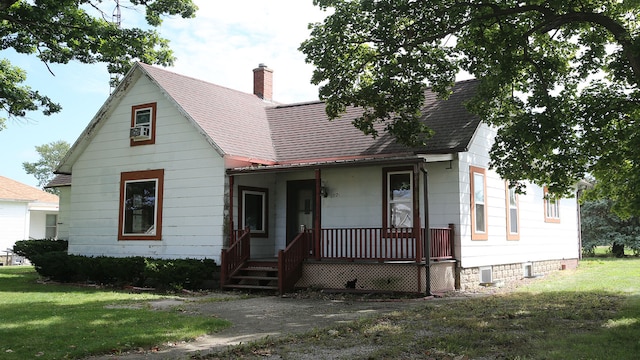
559, 80
50, 155
65, 30
365, 56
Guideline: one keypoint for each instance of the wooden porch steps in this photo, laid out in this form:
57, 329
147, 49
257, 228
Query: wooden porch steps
256, 275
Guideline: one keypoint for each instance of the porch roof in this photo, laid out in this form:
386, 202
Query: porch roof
332, 163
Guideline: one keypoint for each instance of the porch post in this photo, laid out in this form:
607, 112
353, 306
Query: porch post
427, 231
316, 220
416, 213
231, 230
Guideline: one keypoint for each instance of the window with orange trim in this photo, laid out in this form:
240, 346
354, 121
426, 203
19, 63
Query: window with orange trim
144, 117
551, 207
398, 198
479, 223
252, 212
513, 213
141, 194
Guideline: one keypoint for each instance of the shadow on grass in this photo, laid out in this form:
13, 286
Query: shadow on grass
51, 321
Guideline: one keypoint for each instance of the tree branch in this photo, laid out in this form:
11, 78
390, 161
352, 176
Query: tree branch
622, 35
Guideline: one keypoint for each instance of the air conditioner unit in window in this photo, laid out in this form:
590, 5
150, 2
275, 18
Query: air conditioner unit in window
140, 133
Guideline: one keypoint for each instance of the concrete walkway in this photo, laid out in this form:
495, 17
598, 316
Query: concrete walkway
259, 317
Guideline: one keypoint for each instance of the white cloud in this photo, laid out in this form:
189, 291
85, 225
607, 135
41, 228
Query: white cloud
227, 40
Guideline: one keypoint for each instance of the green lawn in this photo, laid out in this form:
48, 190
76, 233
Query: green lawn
589, 313
49, 321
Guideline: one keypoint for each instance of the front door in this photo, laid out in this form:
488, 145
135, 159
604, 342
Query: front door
300, 206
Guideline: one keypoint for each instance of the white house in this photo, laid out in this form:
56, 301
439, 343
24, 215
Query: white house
25, 213
175, 167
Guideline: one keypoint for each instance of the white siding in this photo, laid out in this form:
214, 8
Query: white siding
64, 212
193, 211
14, 223
444, 194
38, 224
539, 240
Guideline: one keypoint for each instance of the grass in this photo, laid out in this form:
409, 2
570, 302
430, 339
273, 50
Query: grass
49, 321
605, 251
589, 313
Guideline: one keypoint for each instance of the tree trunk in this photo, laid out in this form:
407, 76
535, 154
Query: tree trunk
617, 250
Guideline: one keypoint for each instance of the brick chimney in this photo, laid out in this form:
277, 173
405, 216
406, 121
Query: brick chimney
263, 82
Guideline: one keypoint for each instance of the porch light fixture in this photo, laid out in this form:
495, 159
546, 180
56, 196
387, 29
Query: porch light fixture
324, 191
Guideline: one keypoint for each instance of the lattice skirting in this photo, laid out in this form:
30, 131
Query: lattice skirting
397, 277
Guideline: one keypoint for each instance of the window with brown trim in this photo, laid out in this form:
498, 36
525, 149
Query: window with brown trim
141, 194
398, 198
252, 210
143, 124
479, 223
551, 207
513, 213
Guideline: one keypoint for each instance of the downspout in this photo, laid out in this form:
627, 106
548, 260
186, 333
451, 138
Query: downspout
427, 231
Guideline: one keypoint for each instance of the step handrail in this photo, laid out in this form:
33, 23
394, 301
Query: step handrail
233, 257
290, 261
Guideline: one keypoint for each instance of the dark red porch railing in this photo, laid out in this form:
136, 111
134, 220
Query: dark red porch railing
441, 243
238, 252
290, 261
398, 244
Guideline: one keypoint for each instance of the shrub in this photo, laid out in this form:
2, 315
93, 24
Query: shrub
178, 273
56, 265
30, 248
163, 274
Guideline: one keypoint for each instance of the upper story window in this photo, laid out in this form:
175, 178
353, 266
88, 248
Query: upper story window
141, 194
513, 216
398, 190
478, 181
143, 124
253, 210
551, 207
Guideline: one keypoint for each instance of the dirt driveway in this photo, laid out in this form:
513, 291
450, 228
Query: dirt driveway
258, 317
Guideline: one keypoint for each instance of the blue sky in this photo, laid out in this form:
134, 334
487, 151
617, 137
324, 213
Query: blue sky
222, 45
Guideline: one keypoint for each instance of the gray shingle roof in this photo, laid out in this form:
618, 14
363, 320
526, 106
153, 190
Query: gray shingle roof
234, 120
302, 132
241, 124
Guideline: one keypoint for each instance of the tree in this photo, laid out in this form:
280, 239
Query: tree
558, 79
600, 226
50, 155
61, 31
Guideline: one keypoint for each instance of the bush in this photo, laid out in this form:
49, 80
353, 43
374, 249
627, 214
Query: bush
30, 248
178, 273
162, 274
56, 265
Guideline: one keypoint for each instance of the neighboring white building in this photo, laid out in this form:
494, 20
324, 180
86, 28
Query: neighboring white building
172, 166
25, 213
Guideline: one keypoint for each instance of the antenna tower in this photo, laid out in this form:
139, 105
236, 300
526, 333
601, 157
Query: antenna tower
116, 19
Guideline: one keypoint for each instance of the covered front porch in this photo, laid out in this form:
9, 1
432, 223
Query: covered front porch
326, 223
369, 259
